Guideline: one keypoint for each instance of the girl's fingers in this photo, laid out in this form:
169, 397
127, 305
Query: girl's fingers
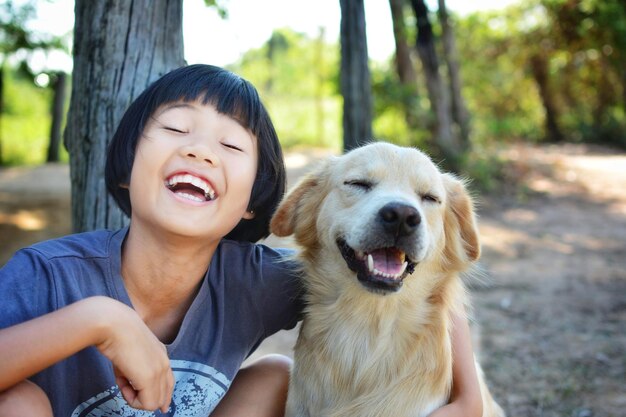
146, 364
127, 390
168, 388
142, 399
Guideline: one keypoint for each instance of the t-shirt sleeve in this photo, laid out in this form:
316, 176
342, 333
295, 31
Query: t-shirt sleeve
26, 288
282, 303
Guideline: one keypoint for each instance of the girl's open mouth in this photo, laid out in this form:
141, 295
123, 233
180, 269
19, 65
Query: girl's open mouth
191, 187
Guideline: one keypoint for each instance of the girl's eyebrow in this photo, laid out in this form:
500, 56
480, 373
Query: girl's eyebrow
173, 106
183, 105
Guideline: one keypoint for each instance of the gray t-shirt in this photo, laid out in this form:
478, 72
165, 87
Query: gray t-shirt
249, 292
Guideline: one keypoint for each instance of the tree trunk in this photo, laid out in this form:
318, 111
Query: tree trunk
120, 47
319, 90
57, 112
459, 111
1, 108
404, 65
605, 93
355, 76
446, 144
539, 68
623, 89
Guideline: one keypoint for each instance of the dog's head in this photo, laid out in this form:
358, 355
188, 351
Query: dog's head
382, 211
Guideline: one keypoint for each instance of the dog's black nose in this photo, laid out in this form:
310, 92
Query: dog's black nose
399, 219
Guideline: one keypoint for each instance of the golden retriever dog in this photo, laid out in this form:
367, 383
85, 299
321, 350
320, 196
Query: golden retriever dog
384, 236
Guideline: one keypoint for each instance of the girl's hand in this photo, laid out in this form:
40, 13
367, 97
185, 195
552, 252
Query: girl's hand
140, 360
457, 409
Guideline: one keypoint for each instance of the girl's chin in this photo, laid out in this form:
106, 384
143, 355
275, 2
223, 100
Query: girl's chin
192, 230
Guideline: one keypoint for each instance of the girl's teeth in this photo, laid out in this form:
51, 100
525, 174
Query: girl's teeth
191, 197
209, 193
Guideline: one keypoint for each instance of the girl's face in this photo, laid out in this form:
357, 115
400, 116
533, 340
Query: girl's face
193, 171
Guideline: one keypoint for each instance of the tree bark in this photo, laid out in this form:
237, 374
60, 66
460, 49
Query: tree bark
319, 90
459, 110
623, 74
403, 61
404, 64
57, 112
120, 47
447, 145
1, 108
355, 76
539, 68
605, 93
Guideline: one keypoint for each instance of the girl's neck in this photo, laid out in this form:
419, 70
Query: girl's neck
162, 273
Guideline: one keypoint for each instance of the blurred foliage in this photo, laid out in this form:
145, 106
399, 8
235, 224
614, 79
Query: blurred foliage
297, 78
220, 7
26, 121
24, 108
14, 35
581, 45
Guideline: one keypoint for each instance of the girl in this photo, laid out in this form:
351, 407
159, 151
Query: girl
160, 315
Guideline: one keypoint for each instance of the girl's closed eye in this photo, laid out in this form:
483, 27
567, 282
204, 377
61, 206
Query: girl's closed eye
232, 146
174, 129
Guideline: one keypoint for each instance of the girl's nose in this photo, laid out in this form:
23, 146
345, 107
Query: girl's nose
201, 153
206, 159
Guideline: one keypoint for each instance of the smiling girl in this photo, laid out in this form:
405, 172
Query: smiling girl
160, 315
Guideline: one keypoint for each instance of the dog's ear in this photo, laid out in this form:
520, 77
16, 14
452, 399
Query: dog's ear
299, 208
462, 243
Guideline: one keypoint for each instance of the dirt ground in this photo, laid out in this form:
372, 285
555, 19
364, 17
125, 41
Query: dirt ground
550, 293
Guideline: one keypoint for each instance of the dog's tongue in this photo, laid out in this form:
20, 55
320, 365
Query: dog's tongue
388, 260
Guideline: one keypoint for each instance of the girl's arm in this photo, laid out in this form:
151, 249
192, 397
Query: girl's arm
465, 400
114, 328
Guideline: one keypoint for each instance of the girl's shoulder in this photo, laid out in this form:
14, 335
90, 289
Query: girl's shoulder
255, 253
247, 248
94, 244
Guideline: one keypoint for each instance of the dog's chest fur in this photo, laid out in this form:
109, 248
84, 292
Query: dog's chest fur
385, 347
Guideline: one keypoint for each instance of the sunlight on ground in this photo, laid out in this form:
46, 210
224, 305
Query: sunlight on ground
510, 243
521, 215
301, 158
25, 220
296, 160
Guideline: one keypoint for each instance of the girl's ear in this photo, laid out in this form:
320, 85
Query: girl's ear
461, 231
249, 215
298, 210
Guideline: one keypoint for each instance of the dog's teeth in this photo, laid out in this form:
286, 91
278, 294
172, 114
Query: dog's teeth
370, 263
404, 265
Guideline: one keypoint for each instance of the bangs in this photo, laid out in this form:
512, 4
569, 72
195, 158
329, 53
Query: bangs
230, 94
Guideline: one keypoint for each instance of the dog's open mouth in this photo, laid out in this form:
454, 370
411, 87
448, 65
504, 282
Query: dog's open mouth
380, 270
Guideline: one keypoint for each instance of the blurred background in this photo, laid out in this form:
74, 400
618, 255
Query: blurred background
526, 99
535, 71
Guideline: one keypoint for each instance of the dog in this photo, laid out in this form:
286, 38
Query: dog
383, 237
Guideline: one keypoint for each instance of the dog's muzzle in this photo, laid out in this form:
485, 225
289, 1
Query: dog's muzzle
381, 270
382, 264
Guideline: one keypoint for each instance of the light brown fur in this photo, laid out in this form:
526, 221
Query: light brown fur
361, 352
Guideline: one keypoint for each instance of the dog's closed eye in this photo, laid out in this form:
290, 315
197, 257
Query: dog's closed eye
363, 185
430, 198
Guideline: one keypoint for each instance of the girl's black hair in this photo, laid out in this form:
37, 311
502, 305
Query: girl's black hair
232, 96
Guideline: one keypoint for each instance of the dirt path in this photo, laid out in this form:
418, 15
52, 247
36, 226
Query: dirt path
550, 298
553, 307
